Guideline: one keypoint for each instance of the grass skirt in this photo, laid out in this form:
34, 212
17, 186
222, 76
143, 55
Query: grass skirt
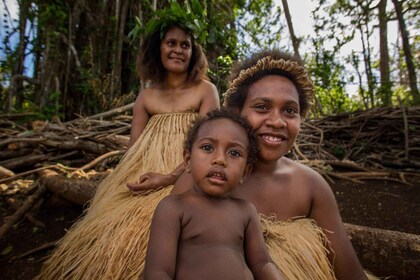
110, 241
297, 248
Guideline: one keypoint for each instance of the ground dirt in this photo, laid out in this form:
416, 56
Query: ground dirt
377, 203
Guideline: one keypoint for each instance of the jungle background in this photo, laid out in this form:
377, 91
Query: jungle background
65, 115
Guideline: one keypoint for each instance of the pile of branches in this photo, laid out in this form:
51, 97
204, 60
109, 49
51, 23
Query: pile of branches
378, 143
70, 159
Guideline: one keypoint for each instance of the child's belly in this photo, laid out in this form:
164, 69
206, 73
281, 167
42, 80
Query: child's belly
212, 262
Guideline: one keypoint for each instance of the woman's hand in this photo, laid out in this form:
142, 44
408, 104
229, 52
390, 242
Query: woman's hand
150, 181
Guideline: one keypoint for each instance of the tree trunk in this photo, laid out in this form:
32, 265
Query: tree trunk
385, 88
295, 40
407, 53
390, 253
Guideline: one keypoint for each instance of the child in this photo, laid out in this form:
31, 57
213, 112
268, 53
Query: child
204, 233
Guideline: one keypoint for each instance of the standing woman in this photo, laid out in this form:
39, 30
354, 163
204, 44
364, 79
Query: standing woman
110, 241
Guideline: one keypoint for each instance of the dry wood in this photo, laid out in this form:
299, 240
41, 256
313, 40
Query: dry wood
26, 206
26, 173
393, 253
101, 158
5, 173
45, 246
14, 204
78, 191
24, 161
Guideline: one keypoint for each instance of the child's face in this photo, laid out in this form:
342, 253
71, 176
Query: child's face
218, 158
272, 109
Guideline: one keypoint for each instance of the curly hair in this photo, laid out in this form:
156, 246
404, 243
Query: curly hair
149, 65
264, 63
223, 113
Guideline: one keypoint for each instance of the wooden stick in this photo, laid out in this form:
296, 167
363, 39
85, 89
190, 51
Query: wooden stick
4, 172
26, 206
406, 143
101, 158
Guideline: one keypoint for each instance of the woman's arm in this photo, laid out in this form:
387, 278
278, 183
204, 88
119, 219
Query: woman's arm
140, 118
256, 252
154, 181
162, 248
325, 212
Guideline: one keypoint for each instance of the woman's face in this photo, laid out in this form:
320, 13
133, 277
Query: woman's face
272, 109
176, 50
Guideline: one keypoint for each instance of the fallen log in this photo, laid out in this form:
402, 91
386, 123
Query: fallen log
78, 191
24, 161
390, 253
88, 146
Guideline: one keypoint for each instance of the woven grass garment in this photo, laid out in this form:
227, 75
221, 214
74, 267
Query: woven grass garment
110, 241
297, 248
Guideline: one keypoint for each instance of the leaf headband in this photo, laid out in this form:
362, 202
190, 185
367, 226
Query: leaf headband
190, 18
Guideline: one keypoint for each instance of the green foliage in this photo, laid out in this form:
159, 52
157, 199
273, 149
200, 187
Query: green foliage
220, 72
190, 17
259, 26
329, 83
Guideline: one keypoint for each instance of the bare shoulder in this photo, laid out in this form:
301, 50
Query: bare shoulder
244, 205
169, 203
305, 172
207, 88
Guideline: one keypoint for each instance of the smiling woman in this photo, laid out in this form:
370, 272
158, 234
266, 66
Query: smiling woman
175, 50
110, 241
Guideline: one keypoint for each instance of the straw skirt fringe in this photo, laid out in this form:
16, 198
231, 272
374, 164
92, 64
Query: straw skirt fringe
297, 248
110, 241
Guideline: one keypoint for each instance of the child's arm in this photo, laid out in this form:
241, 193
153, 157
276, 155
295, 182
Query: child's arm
256, 252
163, 241
140, 119
325, 212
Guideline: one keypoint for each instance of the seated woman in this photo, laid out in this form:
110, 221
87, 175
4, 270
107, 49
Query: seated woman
110, 241
299, 214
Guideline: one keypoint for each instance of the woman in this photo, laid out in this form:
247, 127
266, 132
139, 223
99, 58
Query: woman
110, 241
299, 214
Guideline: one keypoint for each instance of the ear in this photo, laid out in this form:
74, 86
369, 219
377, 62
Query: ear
187, 161
247, 171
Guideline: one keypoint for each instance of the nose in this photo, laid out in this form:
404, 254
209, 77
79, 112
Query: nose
178, 49
219, 159
276, 120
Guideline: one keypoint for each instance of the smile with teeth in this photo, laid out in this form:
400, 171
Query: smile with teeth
271, 138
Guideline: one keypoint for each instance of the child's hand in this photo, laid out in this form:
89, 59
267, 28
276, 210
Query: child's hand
149, 182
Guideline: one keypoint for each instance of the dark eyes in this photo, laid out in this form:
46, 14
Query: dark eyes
172, 43
235, 153
207, 148
264, 108
261, 107
291, 111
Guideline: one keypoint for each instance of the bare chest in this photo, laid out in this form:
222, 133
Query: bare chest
283, 197
203, 227
170, 102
